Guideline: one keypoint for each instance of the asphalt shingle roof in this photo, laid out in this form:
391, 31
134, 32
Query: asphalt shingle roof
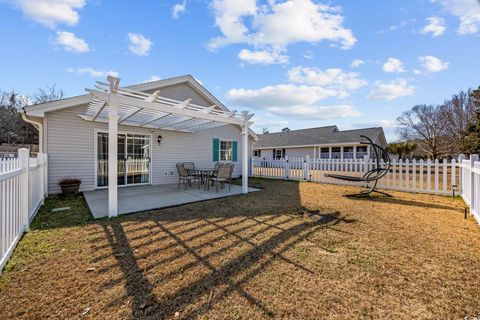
316, 136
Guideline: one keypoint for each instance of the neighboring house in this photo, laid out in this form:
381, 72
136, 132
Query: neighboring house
318, 143
74, 134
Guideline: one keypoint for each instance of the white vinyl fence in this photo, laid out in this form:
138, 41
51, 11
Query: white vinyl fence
428, 176
470, 184
23, 187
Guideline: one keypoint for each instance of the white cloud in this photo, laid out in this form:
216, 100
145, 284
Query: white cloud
51, 12
433, 64
393, 65
467, 11
435, 26
293, 101
178, 9
301, 98
391, 90
70, 42
94, 73
152, 78
262, 57
282, 95
278, 24
139, 45
330, 78
357, 63
317, 112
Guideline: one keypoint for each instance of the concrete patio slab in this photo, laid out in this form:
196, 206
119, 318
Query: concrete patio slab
141, 198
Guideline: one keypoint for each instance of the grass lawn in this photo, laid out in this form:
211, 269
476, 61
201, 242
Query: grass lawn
291, 251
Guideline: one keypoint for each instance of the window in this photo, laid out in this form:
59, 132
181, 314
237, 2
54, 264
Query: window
278, 153
257, 153
361, 151
324, 153
348, 152
335, 152
225, 150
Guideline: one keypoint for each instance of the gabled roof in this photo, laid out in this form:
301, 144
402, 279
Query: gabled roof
318, 136
38, 110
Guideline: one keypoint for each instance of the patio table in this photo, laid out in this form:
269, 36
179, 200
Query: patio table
203, 173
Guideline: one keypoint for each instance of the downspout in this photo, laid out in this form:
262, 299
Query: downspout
37, 125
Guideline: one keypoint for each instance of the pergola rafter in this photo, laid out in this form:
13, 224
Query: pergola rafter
116, 105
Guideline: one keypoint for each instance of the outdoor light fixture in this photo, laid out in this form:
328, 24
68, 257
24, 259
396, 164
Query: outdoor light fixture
159, 139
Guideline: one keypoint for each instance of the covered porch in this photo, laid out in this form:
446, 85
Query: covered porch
114, 105
142, 198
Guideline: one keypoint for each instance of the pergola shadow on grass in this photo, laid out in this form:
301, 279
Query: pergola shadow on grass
292, 251
221, 278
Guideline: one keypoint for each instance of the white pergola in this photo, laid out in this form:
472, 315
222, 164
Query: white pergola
115, 105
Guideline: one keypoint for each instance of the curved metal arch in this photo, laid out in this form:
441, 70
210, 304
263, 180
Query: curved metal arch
372, 175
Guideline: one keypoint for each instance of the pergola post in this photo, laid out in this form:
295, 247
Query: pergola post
245, 129
112, 147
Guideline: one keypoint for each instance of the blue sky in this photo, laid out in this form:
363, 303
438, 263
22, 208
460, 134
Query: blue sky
295, 63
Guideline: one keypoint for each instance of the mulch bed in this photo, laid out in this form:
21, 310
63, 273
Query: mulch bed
291, 251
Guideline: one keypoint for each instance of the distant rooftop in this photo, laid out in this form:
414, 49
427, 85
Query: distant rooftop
318, 136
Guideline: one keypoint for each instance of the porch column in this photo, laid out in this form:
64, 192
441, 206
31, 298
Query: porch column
341, 152
245, 161
329, 152
112, 147
354, 152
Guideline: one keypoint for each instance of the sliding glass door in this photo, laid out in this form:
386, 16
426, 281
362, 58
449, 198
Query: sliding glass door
133, 159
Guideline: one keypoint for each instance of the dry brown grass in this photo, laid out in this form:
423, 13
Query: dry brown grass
291, 251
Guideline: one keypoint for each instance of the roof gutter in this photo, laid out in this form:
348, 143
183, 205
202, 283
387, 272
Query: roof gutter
37, 125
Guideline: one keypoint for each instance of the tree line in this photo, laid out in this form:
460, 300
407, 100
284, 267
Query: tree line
13, 130
443, 130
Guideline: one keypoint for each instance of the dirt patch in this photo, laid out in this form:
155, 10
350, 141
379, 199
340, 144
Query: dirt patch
291, 251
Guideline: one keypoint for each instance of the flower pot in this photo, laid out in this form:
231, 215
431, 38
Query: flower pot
71, 188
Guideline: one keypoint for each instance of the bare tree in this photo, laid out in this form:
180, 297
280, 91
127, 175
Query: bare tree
459, 114
12, 128
425, 125
48, 94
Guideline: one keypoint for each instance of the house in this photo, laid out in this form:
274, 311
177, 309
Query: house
155, 124
319, 143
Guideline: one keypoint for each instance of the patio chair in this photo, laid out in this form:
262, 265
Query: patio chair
184, 176
222, 176
190, 166
379, 170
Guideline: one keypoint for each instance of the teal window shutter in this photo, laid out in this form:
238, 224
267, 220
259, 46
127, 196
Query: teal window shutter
234, 151
216, 150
